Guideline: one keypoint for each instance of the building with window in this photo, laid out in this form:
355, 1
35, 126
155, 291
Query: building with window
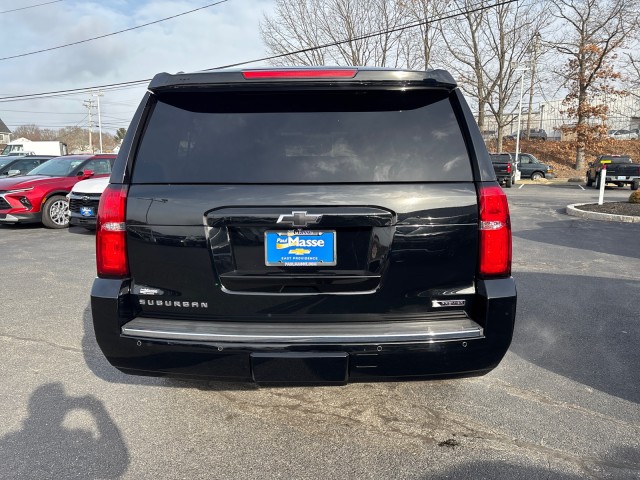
5, 133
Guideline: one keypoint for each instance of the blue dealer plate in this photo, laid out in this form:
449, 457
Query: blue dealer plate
86, 211
300, 248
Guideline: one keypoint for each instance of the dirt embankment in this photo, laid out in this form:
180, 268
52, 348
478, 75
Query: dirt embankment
562, 155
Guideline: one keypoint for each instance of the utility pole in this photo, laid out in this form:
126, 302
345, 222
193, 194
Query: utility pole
98, 95
534, 61
520, 69
89, 105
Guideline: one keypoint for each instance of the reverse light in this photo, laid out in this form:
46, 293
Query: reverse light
300, 73
111, 240
495, 233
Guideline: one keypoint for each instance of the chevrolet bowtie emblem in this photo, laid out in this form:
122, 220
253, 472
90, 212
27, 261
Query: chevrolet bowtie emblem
298, 219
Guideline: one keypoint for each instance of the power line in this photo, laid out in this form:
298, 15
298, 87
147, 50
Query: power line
134, 83
30, 111
368, 35
31, 6
76, 91
114, 33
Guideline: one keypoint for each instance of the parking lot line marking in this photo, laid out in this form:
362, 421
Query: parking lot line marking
522, 185
581, 187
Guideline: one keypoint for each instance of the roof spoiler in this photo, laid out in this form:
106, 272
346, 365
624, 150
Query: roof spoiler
318, 75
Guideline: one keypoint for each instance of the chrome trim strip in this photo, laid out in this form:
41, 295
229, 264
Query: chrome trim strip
304, 333
465, 291
239, 292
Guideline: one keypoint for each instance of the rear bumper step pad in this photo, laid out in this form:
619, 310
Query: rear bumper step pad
341, 333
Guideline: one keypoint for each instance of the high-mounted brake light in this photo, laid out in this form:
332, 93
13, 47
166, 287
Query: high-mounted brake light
111, 245
300, 73
495, 233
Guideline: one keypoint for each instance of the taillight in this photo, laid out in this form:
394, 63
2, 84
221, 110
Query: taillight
508, 168
111, 244
300, 73
495, 233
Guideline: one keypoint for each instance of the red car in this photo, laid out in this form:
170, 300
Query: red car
40, 196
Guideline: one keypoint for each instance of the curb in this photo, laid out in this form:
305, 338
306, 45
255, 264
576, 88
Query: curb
607, 217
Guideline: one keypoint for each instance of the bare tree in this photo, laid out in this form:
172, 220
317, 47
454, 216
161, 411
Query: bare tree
469, 55
484, 46
421, 45
633, 66
336, 25
76, 138
33, 132
510, 30
593, 31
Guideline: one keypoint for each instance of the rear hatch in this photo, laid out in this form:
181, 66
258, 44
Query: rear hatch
622, 167
350, 200
501, 164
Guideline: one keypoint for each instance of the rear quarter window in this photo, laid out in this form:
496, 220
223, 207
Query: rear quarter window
303, 137
500, 158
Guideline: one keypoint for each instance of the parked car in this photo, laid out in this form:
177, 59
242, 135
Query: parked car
83, 201
534, 134
317, 225
620, 170
505, 168
39, 196
624, 134
531, 167
21, 165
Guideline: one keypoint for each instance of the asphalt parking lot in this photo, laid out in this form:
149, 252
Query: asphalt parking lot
564, 403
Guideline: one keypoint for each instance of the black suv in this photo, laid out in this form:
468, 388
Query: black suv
306, 226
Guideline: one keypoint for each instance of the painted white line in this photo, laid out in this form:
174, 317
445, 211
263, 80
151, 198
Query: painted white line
581, 187
521, 185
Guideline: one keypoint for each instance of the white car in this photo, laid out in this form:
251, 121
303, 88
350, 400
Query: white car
83, 201
624, 134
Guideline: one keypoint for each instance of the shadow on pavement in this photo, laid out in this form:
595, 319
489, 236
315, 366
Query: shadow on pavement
500, 470
101, 368
625, 467
603, 237
565, 325
77, 230
46, 448
21, 226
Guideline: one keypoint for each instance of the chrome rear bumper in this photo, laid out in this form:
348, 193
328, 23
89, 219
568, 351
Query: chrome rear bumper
341, 333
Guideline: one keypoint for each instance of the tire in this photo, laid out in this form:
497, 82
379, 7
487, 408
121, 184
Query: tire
537, 176
55, 212
620, 185
589, 182
508, 182
635, 184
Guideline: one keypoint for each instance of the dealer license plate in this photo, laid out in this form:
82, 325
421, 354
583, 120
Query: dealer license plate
86, 211
300, 248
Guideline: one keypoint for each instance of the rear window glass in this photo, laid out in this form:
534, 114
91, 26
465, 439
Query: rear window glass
58, 167
302, 137
616, 159
500, 158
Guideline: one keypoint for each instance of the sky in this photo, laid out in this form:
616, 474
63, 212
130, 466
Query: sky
218, 35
